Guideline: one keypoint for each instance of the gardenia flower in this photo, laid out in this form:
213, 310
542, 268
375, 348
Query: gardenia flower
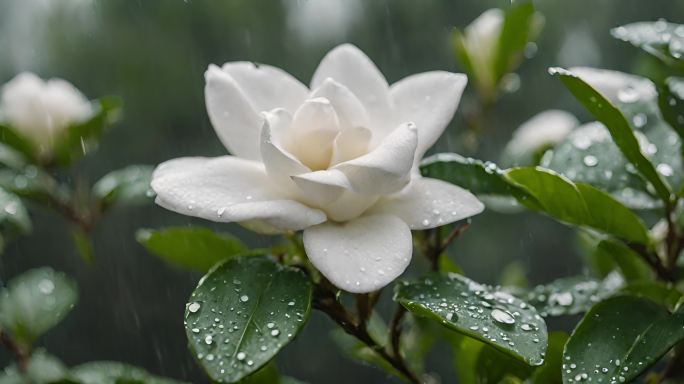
40, 110
541, 131
338, 161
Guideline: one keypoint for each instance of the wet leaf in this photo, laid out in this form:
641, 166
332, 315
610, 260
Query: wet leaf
579, 204
478, 311
42, 368
521, 25
242, 313
620, 338
111, 372
18, 142
661, 39
671, 103
36, 301
31, 182
661, 293
130, 185
571, 295
194, 248
13, 215
618, 126
550, 372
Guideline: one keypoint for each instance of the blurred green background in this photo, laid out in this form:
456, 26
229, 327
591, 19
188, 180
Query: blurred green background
154, 53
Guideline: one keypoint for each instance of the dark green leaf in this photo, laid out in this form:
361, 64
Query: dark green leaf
495, 367
663, 294
620, 130
268, 374
111, 372
478, 311
79, 139
571, 295
36, 301
194, 248
13, 215
661, 39
18, 142
550, 372
671, 103
579, 204
42, 368
520, 26
629, 263
83, 244
31, 182
130, 185
242, 313
11, 158
620, 338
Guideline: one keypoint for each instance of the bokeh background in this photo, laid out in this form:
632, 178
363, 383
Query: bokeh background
154, 54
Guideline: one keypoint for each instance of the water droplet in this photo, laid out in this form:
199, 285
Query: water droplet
244, 298
241, 356
664, 169
194, 307
208, 339
270, 325
590, 161
46, 286
502, 317
639, 120
628, 95
275, 332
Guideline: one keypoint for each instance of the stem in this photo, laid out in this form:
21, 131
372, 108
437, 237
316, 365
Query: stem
395, 331
652, 259
20, 354
326, 302
434, 246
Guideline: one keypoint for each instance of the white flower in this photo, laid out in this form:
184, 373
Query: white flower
40, 110
541, 131
481, 41
338, 161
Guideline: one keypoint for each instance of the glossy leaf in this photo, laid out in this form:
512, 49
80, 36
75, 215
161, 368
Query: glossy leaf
671, 102
550, 372
478, 311
36, 301
579, 204
31, 182
79, 139
242, 313
42, 368
626, 336
190, 247
129, 185
520, 26
571, 295
620, 130
661, 293
18, 142
13, 214
661, 39
111, 372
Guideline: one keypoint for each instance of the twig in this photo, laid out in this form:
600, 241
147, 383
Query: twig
455, 233
363, 308
653, 260
326, 302
395, 331
434, 245
21, 355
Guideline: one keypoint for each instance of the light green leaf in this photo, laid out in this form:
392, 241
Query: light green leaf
661, 39
130, 185
190, 247
478, 311
618, 126
242, 313
18, 142
571, 295
579, 204
111, 372
13, 215
627, 335
36, 301
521, 25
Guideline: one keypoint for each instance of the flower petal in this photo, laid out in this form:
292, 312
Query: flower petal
362, 255
349, 109
314, 128
429, 203
349, 66
280, 165
267, 87
349, 144
429, 100
322, 187
233, 116
386, 169
228, 189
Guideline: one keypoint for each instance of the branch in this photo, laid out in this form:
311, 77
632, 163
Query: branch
653, 260
395, 331
20, 354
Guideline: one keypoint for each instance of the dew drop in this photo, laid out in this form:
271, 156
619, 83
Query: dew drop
502, 317
194, 307
244, 298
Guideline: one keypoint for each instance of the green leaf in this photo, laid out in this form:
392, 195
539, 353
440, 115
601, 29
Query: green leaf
478, 311
520, 26
661, 39
663, 294
79, 139
18, 142
268, 374
483, 179
495, 367
130, 185
579, 204
571, 295
671, 103
627, 335
111, 372
42, 368
620, 130
631, 266
83, 244
242, 313
190, 247
36, 301
31, 182
13, 215
550, 372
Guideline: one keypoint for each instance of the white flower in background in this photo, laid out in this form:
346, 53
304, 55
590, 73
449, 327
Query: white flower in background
541, 131
40, 110
481, 41
321, 21
617, 86
338, 161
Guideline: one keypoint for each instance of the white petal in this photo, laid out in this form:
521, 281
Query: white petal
267, 87
362, 255
314, 128
610, 83
349, 66
350, 144
280, 165
322, 187
349, 206
387, 168
349, 109
429, 203
233, 116
228, 189
544, 129
429, 100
